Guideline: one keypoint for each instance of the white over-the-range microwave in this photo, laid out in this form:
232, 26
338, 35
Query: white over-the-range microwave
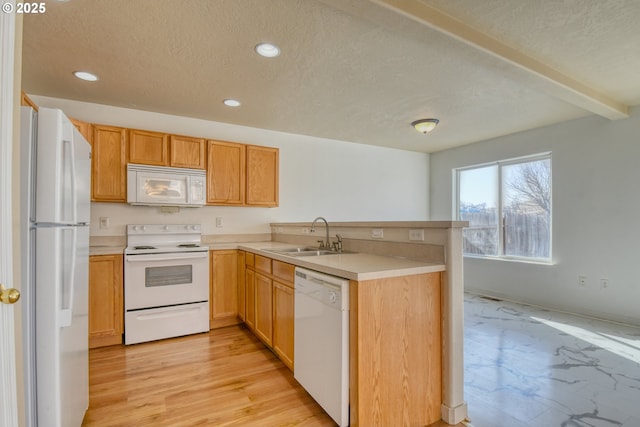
165, 186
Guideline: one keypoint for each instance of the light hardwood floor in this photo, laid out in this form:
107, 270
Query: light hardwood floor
223, 378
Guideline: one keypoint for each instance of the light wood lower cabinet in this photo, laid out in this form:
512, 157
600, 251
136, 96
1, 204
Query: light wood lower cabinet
283, 312
106, 306
395, 351
250, 291
269, 303
250, 277
264, 308
223, 293
242, 291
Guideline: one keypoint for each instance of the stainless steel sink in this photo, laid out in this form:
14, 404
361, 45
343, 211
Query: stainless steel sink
293, 250
302, 251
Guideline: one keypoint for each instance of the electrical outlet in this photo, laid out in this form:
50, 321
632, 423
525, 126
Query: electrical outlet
582, 281
377, 233
104, 222
604, 283
416, 234
219, 222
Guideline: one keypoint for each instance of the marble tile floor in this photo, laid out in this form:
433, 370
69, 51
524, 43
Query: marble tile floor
530, 367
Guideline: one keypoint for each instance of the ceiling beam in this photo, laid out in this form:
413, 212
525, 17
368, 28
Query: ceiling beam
560, 85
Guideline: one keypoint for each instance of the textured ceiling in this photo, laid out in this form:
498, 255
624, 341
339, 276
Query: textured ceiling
352, 70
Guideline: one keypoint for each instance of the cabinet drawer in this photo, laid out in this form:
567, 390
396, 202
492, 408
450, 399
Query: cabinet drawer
249, 259
263, 264
283, 271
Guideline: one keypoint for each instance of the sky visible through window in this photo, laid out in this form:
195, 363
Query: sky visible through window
478, 186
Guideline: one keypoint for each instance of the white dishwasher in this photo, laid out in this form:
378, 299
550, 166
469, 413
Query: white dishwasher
321, 345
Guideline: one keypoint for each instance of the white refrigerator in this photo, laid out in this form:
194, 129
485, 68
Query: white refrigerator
56, 184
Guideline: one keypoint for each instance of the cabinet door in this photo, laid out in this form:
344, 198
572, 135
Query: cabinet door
242, 300
148, 148
106, 308
109, 164
225, 173
283, 311
186, 152
264, 308
25, 101
250, 286
84, 128
223, 297
262, 176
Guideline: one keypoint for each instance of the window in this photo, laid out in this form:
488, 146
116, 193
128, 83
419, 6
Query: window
508, 206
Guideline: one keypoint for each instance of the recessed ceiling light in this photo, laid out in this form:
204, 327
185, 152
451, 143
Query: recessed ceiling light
85, 76
231, 102
267, 50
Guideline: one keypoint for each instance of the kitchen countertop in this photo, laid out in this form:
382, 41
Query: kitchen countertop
355, 266
106, 250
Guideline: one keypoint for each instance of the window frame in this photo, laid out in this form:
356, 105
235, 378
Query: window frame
500, 206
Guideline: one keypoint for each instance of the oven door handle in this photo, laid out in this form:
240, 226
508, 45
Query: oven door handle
172, 257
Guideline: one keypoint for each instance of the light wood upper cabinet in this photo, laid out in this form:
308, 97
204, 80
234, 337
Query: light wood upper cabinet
223, 297
262, 176
148, 148
237, 174
106, 307
25, 101
84, 128
187, 152
109, 164
225, 173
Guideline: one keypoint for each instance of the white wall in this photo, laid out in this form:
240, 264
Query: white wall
318, 177
596, 211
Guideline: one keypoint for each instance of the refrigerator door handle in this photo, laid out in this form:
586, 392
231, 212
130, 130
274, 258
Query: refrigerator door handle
66, 313
74, 196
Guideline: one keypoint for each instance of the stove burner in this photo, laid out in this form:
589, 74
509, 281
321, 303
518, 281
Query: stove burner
138, 248
189, 245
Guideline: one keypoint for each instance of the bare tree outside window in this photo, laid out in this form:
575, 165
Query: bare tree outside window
527, 209
508, 206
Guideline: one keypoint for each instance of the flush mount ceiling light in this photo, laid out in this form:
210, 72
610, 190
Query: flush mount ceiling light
231, 102
267, 50
425, 125
83, 75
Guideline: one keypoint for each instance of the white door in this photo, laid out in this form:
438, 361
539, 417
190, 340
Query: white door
8, 394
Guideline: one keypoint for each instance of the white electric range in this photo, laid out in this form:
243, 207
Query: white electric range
166, 282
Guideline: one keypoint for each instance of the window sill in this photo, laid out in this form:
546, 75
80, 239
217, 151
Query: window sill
512, 259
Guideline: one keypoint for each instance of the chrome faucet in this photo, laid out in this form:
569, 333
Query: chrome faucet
337, 245
323, 245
